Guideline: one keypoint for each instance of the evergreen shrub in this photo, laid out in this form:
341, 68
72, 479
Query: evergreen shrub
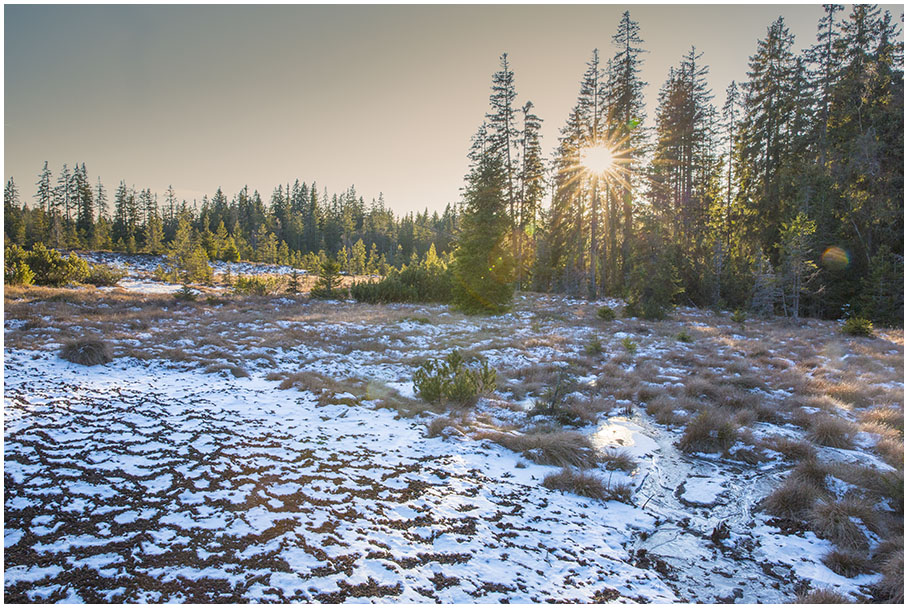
452, 380
256, 285
43, 266
102, 275
858, 326
416, 283
605, 313
327, 285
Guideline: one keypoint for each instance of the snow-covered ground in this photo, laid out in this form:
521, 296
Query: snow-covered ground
140, 482
169, 479
139, 269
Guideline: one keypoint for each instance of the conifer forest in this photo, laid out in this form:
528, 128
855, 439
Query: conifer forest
659, 359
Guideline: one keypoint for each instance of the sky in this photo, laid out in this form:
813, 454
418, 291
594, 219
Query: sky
385, 98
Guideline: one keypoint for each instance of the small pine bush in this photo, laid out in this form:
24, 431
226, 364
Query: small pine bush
594, 347
256, 285
629, 345
739, 316
857, 326
415, 283
16, 270
293, 286
18, 273
605, 313
451, 380
327, 286
185, 294
47, 266
102, 275
684, 336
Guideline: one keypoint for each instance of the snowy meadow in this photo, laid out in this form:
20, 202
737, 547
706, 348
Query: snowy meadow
274, 448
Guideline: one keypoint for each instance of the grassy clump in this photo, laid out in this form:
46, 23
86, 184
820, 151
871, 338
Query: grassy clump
891, 554
891, 417
559, 448
831, 431
586, 484
832, 520
847, 563
618, 460
87, 351
708, 432
823, 596
857, 326
792, 500
452, 380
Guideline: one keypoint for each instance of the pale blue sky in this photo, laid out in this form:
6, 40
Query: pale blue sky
383, 97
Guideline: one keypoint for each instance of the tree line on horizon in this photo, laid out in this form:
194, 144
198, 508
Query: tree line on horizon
299, 226
787, 199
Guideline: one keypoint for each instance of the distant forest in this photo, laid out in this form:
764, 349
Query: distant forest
787, 198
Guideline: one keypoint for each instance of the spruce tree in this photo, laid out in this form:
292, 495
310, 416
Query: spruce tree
626, 117
483, 265
45, 194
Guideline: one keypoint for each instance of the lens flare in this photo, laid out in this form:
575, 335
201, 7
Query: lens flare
835, 258
599, 159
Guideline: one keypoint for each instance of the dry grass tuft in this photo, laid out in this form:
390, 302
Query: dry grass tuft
708, 432
847, 563
891, 417
832, 431
558, 448
850, 392
648, 392
702, 387
618, 460
823, 596
323, 387
87, 351
891, 553
832, 520
586, 484
439, 424
810, 471
238, 371
891, 450
576, 482
662, 409
792, 500
792, 449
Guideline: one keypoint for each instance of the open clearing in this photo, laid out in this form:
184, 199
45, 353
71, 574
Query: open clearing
272, 449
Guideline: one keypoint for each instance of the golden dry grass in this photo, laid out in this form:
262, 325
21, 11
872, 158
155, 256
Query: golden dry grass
558, 448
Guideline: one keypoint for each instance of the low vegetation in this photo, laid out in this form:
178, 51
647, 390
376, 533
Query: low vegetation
586, 484
87, 351
453, 380
551, 447
857, 326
